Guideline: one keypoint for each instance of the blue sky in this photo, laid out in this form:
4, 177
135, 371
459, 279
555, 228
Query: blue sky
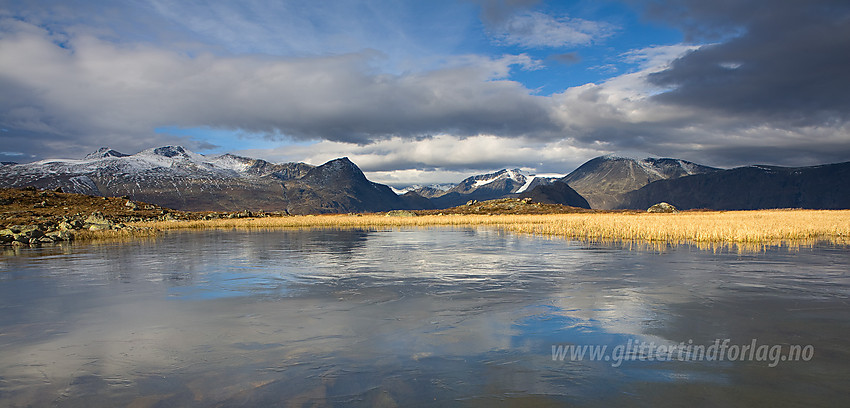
420, 92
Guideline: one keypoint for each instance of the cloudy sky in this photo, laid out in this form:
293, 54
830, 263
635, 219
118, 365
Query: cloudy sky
429, 91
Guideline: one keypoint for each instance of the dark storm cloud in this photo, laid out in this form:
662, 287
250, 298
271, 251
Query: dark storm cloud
773, 61
86, 86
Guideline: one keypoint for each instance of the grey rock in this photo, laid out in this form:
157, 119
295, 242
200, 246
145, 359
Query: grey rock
400, 213
662, 208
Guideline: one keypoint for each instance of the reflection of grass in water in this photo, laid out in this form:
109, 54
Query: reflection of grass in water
718, 230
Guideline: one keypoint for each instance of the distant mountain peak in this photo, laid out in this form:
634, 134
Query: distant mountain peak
334, 172
341, 164
104, 152
171, 151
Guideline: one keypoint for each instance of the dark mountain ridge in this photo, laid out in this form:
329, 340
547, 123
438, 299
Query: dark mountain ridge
751, 187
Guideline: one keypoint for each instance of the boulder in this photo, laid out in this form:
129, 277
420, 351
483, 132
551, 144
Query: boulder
97, 222
58, 236
662, 208
400, 213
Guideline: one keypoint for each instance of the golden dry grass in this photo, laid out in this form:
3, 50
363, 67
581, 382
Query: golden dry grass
728, 227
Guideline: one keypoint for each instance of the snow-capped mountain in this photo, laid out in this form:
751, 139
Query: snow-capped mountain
175, 177
500, 184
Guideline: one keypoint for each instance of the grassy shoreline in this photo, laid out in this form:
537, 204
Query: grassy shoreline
727, 227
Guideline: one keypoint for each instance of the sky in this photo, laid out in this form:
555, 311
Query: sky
426, 92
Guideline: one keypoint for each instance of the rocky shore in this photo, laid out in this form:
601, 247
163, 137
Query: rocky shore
31, 217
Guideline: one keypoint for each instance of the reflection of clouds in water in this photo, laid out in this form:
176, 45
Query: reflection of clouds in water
476, 305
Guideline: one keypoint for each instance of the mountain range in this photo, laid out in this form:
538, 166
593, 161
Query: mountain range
172, 176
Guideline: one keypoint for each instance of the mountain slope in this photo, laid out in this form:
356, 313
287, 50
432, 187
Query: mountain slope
750, 188
339, 186
604, 180
556, 193
174, 177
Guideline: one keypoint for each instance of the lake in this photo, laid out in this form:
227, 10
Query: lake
420, 317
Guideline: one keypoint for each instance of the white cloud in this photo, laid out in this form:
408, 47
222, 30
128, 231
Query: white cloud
535, 29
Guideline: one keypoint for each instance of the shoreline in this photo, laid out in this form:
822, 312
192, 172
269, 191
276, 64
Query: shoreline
29, 217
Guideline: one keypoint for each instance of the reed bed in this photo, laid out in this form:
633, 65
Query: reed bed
738, 227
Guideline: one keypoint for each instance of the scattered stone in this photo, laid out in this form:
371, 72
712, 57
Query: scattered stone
662, 208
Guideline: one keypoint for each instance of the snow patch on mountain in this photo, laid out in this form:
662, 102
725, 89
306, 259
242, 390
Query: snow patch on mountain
525, 186
232, 162
515, 175
417, 187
